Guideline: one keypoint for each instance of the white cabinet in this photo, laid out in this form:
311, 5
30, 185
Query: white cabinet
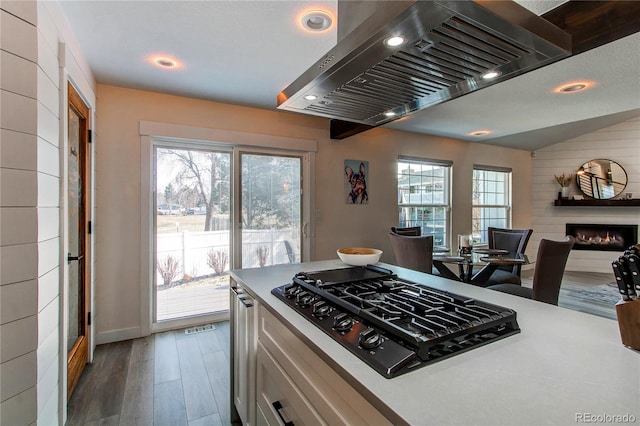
296, 387
244, 322
278, 380
279, 400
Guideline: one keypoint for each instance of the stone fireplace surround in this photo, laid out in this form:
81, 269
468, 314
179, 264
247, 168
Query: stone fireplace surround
602, 237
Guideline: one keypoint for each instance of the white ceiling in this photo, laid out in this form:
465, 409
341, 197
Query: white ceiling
246, 51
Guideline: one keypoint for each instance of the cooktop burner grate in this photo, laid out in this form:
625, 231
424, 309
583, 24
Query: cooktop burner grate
393, 324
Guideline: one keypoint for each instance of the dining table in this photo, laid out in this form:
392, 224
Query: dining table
484, 258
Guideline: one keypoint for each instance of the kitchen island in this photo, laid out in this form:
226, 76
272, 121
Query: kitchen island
564, 367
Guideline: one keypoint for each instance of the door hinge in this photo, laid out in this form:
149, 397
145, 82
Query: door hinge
88, 318
89, 227
89, 134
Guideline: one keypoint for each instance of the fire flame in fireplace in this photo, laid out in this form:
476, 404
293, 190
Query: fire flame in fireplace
608, 239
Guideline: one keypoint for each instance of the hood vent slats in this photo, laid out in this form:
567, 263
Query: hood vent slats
441, 60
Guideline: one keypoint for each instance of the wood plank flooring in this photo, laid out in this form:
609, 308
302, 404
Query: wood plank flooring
168, 378
176, 379
572, 281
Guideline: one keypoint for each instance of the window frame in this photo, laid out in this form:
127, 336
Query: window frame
446, 192
507, 206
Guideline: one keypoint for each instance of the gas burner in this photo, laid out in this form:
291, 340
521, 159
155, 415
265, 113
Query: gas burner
392, 324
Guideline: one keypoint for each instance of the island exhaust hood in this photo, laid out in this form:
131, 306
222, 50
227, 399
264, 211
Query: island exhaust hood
449, 47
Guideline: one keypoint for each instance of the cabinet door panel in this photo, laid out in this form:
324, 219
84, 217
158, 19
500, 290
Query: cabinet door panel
244, 354
275, 387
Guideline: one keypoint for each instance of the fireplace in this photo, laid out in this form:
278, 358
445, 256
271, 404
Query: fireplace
602, 237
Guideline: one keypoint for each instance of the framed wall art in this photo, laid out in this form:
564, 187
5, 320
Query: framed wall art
355, 183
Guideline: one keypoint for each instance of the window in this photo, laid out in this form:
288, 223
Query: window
491, 200
423, 196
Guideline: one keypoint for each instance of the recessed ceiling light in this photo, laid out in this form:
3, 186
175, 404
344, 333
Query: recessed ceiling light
573, 87
395, 41
480, 133
389, 113
311, 97
166, 62
316, 20
491, 74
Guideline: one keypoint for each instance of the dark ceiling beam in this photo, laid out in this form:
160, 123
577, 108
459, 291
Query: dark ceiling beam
339, 129
595, 23
590, 23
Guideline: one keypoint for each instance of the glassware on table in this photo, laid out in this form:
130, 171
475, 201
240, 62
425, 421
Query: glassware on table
465, 244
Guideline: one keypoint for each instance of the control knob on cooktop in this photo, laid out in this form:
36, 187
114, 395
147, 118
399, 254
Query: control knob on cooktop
342, 323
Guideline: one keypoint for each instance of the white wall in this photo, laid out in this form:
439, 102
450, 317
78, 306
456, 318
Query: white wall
119, 188
33, 358
620, 143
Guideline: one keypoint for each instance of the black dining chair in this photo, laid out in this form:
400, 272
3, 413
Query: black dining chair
413, 252
547, 275
412, 231
515, 242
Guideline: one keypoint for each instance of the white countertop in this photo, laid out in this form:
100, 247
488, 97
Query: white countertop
564, 367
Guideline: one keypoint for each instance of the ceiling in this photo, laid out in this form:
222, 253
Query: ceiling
246, 51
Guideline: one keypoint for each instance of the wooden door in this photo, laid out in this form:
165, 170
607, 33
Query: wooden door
78, 257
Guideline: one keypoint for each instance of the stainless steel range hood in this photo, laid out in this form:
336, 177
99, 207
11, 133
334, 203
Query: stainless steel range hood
450, 46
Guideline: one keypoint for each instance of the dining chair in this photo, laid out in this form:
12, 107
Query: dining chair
547, 276
515, 242
413, 252
413, 231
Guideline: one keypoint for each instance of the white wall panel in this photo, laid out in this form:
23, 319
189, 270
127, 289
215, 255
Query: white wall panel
48, 93
48, 255
18, 301
31, 35
18, 74
18, 36
20, 409
48, 63
48, 126
18, 375
18, 188
620, 143
18, 113
47, 353
48, 414
48, 190
48, 320
47, 386
48, 156
18, 150
18, 263
19, 225
48, 223
17, 338
25, 9
48, 288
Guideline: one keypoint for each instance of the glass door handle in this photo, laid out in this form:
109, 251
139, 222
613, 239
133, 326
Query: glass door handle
70, 258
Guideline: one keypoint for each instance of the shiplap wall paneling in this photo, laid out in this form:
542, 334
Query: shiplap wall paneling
620, 143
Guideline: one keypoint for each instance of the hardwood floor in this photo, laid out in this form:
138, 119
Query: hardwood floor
174, 379
168, 378
572, 281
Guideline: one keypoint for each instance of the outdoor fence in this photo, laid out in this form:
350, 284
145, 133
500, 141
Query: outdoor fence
190, 250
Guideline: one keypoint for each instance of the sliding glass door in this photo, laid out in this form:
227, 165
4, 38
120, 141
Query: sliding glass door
209, 219
192, 232
271, 209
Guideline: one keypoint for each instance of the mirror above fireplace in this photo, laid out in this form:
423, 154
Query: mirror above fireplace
601, 179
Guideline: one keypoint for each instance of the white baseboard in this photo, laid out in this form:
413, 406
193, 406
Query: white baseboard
118, 335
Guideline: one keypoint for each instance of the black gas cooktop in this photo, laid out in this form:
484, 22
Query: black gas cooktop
392, 324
